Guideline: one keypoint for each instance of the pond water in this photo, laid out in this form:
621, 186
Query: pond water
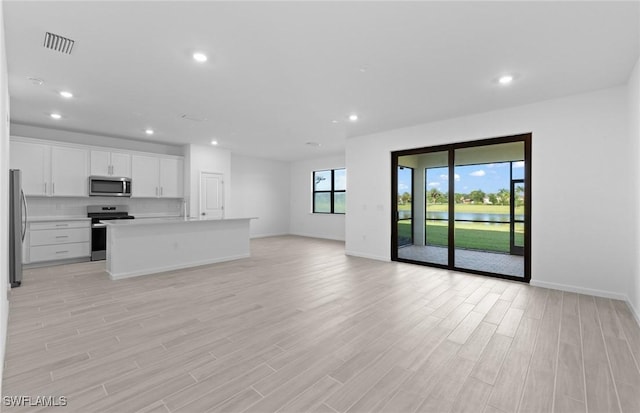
466, 216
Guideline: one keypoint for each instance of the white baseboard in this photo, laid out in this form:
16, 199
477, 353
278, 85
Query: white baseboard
156, 270
300, 234
579, 290
369, 256
589, 291
634, 311
279, 234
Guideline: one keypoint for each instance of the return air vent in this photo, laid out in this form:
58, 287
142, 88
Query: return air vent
58, 43
193, 118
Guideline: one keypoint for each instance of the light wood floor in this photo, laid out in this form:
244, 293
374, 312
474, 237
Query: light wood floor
301, 327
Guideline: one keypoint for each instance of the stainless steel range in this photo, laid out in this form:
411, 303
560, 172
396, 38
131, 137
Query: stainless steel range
99, 213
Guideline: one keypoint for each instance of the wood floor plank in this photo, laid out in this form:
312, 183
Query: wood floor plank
601, 394
474, 347
466, 328
509, 383
297, 385
313, 397
300, 326
403, 401
423, 379
472, 396
497, 311
540, 383
239, 402
570, 388
355, 388
509, 324
381, 392
443, 394
491, 359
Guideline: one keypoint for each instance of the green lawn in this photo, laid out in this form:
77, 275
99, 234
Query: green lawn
470, 208
469, 235
474, 208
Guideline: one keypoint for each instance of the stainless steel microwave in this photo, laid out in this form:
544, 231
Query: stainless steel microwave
109, 186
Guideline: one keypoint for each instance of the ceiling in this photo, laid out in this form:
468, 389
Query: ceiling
281, 74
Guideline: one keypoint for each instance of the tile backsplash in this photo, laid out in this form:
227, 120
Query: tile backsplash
75, 207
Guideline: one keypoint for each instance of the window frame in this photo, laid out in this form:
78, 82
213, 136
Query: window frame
331, 191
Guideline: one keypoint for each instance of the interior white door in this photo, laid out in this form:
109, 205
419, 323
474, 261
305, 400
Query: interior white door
211, 195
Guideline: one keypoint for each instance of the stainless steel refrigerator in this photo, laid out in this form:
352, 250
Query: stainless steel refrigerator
17, 226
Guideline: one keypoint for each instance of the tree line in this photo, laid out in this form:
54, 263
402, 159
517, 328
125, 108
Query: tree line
435, 196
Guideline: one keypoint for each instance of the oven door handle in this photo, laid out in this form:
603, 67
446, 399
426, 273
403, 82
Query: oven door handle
98, 225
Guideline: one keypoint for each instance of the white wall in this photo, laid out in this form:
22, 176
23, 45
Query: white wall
4, 195
582, 237
37, 132
303, 222
634, 135
200, 158
261, 189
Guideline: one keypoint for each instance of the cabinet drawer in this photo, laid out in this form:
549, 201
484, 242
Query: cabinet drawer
36, 226
59, 252
60, 236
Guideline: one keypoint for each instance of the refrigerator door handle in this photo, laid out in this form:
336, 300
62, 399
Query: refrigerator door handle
24, 205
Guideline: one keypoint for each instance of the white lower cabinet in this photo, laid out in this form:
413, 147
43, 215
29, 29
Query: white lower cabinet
59, 240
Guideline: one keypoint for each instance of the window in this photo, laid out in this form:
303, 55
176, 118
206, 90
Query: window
330, 191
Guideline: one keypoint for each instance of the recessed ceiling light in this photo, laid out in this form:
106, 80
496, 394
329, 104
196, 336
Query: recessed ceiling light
200, 57
56, 116
148, 131
214, 142
66, 94
36, 81
353, 117
505, 80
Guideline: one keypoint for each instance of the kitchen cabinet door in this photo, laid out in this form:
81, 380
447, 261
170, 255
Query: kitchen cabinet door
100, 163
171, 172
34, 161
121, 164
69, 171
145, 172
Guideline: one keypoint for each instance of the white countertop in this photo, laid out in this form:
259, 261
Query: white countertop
54, 218
166, 220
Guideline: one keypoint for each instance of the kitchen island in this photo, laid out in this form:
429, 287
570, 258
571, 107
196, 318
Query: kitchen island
151, 245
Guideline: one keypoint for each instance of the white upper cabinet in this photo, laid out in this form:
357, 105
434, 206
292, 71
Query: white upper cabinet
171, 172
145, 182
100, 163
69, 171
156, 177
62, 169
34, 160
105, 163
121, 164
49, 170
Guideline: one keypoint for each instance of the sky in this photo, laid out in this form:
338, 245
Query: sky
489, 178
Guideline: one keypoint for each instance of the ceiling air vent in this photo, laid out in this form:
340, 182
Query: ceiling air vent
58, 43
193, 118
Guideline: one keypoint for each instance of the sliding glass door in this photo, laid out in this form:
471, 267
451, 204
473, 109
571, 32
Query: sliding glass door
470, 207
404, 215
422, 221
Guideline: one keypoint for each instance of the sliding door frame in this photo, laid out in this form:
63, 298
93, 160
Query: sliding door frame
451, 148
